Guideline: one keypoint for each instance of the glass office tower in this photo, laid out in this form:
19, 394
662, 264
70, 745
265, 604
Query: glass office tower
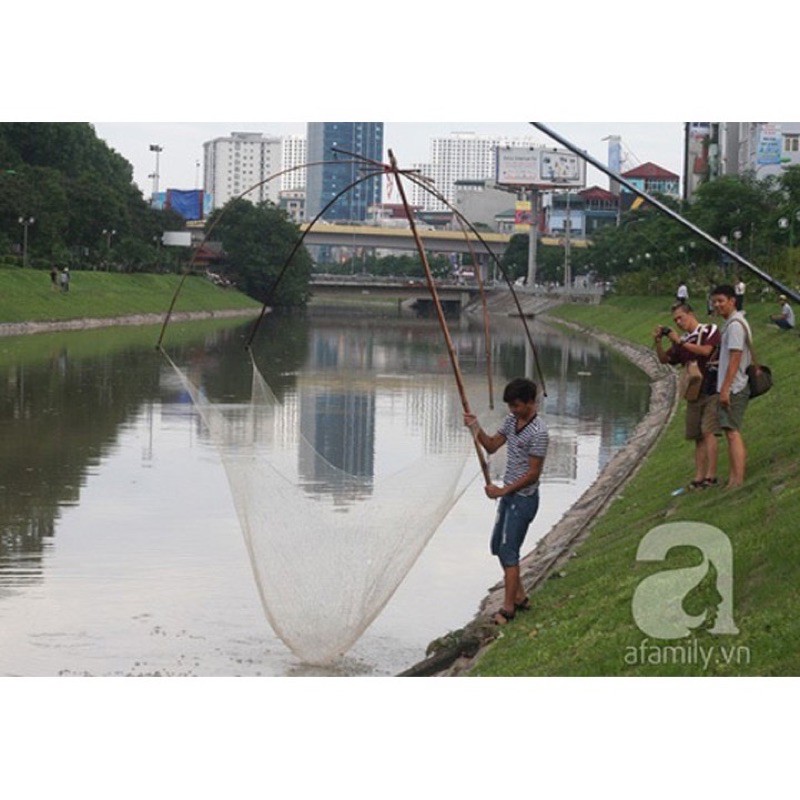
324, 182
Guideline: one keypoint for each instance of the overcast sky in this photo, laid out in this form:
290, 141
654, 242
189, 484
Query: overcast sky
182, 143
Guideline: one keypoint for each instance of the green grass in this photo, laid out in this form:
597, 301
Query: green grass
582, 623
26, 295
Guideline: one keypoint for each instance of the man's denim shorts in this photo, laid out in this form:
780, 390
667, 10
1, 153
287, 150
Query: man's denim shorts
514, 514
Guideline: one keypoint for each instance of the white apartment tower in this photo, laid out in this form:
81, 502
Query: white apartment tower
294, 154
241, 163
460, 156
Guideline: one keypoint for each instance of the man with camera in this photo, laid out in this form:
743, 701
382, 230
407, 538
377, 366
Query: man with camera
698, 343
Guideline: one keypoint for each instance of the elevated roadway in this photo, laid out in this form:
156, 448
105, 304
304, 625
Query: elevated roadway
436, 241
401, 239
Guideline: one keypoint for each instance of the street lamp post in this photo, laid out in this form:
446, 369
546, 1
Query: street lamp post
26, 222
795, 218
108, 233
157, 242
157, 149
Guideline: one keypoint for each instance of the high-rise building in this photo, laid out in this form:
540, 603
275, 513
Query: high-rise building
294, 155
241, 163
325, 181
460, 156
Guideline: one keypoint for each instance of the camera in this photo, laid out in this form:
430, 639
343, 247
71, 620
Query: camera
665, 331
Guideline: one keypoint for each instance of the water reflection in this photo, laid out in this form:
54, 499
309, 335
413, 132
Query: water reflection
71, 404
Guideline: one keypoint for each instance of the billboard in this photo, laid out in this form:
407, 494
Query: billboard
539, 167
177, 239
188, 203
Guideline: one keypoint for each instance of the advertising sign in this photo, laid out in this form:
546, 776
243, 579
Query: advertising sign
523, 218
539, 167
177, 239
769, 145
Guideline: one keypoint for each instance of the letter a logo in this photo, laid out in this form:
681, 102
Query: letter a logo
658, 600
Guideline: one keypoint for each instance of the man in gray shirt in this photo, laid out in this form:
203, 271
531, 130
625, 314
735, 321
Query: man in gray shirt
732, 381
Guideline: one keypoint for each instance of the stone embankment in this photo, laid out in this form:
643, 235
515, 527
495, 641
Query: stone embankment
455, 653
21, 328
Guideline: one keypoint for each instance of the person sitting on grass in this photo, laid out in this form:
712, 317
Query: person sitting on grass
784, 320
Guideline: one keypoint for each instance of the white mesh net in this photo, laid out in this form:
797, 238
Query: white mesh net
330, 544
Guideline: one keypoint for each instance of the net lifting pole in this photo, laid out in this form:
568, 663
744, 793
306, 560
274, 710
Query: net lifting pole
732, 254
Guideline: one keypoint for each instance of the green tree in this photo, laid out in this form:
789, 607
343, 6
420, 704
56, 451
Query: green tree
257, 241
74, 185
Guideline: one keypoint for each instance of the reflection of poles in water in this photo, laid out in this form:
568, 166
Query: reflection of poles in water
529, 361
562, 379
147, 450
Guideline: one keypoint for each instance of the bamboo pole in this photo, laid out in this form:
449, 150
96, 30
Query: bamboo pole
487, 335
423, 184
451, 351
774, 282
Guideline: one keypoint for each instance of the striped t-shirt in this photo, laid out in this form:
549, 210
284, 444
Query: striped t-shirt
532, 440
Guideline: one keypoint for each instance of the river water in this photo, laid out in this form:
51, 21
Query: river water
120, 548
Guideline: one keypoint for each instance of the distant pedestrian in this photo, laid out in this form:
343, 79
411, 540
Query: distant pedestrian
784, 320
739, 288
54, 278
65, 279
682, 295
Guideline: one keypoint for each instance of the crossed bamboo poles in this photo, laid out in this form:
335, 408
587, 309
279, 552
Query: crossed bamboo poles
372, 169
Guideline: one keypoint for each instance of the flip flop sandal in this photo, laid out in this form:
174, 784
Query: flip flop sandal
709, 482
524, 605
506, 616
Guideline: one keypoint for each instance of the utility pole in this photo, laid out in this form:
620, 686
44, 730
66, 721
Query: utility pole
567, 244
532, 239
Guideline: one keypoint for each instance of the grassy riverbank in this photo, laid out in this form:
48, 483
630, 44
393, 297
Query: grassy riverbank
26, 295
582, 621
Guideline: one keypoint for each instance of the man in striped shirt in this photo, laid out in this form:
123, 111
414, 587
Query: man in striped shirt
526, 435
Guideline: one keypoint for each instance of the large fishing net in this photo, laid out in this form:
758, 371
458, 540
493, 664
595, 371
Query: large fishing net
335, 515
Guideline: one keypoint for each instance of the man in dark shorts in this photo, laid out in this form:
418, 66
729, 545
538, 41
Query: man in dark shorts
699, 342
526, 435
732, 380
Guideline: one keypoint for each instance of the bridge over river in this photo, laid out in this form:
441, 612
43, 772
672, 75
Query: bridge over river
455, 295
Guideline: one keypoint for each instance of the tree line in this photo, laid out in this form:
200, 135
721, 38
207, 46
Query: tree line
77, 190
650, 252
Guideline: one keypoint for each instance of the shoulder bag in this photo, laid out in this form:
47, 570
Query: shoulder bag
691, 381
759, 376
